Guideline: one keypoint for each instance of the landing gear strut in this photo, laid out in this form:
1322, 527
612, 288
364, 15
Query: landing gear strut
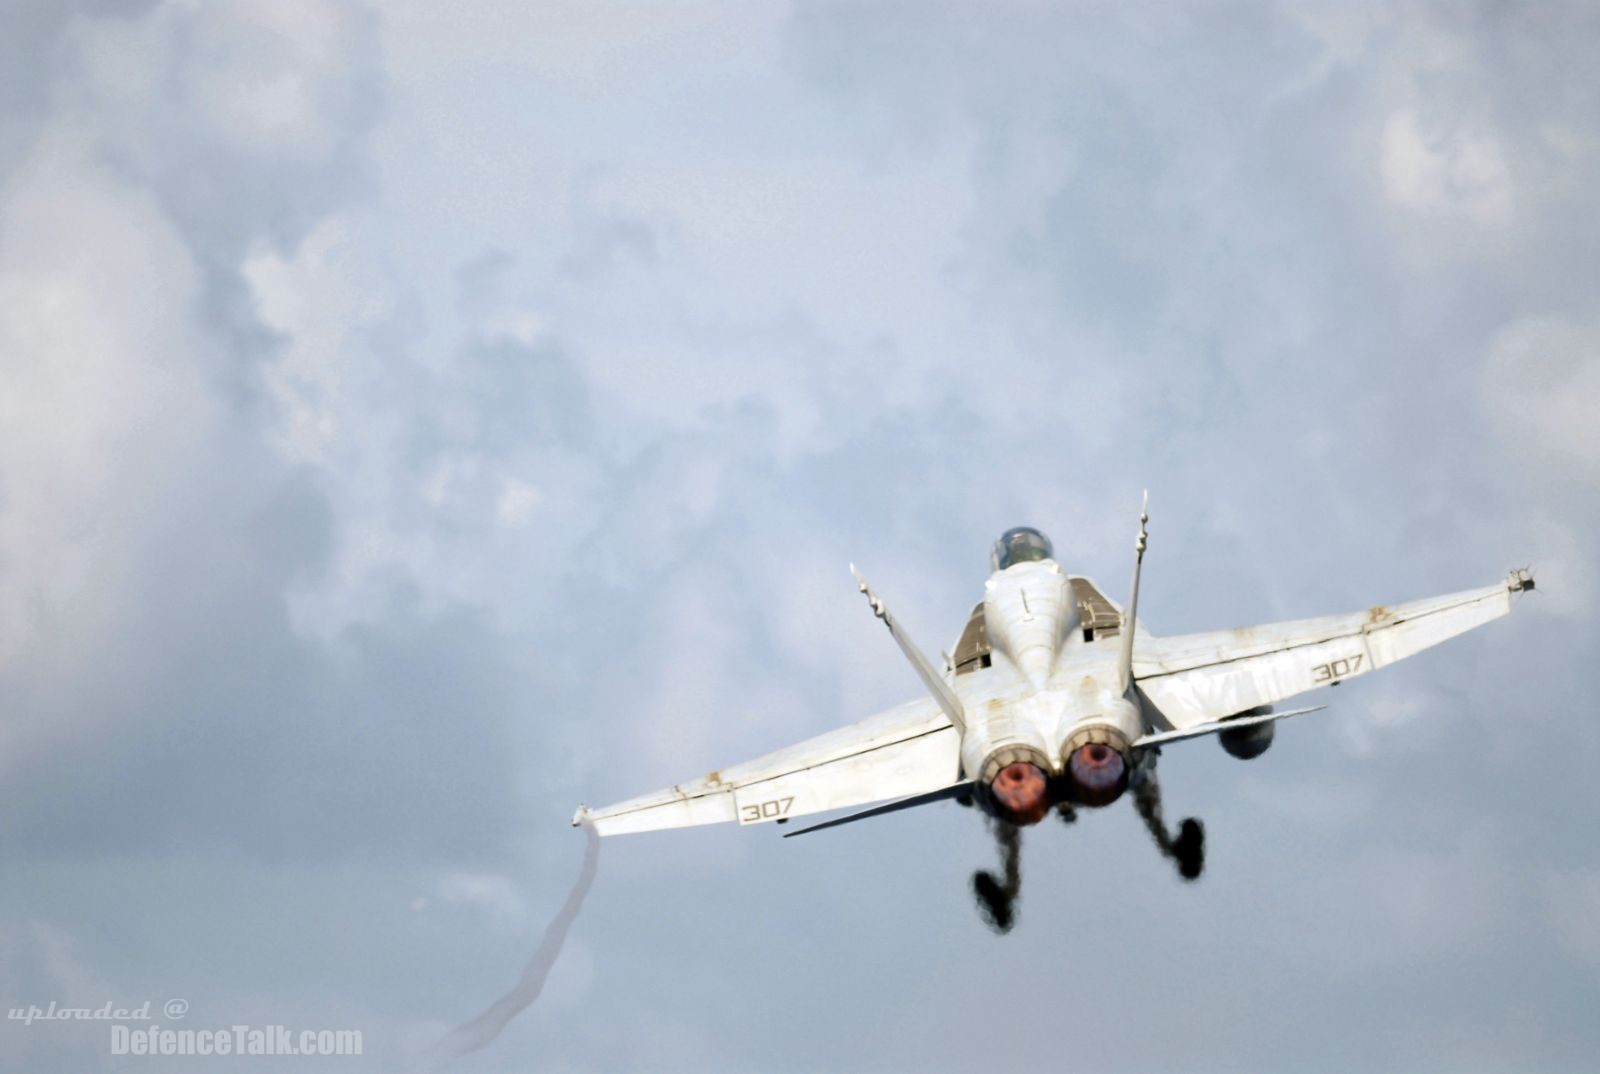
1188, 850
997, 896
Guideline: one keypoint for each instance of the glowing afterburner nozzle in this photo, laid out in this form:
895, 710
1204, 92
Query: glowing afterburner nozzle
1097, 771
1021, 793
1097, 765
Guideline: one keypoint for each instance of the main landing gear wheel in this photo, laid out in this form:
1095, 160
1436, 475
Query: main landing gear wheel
997, 895
996, 907
1190, 849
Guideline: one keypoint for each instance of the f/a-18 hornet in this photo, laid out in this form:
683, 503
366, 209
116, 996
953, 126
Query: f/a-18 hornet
1057, 698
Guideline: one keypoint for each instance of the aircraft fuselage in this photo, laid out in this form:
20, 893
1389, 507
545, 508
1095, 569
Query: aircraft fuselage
1049, 699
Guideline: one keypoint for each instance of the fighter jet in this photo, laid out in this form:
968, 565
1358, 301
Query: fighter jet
1057, 699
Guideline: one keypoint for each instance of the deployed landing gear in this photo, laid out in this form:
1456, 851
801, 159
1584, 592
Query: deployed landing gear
997, 892
997, 895
1188, 850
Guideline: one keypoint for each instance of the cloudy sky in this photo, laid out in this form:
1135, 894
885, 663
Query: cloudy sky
417, 419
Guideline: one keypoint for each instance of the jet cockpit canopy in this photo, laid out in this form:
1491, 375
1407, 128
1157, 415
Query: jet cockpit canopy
1023, 544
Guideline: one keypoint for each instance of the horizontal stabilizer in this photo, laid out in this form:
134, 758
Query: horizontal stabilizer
1163, 737
890, 807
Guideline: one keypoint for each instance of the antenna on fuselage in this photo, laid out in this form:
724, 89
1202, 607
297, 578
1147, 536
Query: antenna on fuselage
1130, 613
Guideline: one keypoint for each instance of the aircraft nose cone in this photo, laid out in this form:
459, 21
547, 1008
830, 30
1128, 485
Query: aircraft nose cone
1021, 792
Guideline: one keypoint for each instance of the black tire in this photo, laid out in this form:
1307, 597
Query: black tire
1190, 849
993, 903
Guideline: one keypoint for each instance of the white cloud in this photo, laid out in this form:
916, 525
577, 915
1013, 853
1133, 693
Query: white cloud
518, 500
268, 82
578, 44
1446, 171
493, 893
321, 298
119, 361
1541, 387
1383, 709
104, 404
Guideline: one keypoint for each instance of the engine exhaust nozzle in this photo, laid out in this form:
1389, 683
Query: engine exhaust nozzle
1017, 785
1098, 762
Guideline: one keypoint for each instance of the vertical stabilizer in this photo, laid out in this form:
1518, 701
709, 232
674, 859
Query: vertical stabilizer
948, 701
1131, 611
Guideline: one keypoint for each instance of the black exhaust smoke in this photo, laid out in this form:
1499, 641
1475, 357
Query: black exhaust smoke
470, 1036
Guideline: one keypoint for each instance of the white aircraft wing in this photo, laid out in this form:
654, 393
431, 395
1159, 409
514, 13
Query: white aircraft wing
905, 751
1194, 679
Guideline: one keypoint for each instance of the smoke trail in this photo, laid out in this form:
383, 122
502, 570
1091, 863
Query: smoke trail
470, 1036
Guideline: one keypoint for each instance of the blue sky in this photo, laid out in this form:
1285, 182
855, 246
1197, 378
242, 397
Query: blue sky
416, 420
